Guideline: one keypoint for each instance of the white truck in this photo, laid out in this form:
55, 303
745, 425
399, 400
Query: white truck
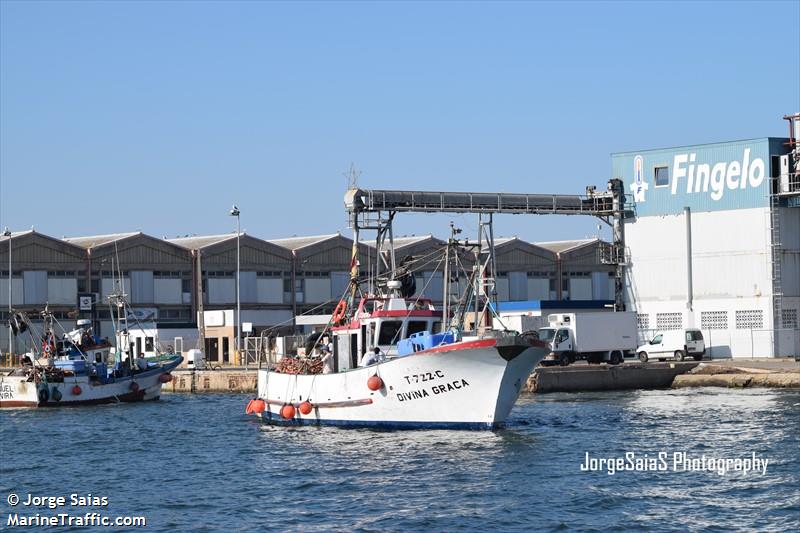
597, 337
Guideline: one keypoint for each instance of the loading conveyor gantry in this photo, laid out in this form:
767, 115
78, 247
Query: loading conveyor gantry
609, 205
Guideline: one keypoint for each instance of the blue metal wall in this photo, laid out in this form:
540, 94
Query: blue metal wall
704, 177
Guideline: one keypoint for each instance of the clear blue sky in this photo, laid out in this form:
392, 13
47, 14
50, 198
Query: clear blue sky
157, 116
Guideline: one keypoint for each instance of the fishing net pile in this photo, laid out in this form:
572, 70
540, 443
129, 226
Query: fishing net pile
296, 365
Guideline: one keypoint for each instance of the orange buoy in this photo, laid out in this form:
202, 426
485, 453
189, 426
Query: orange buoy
306, 407
375, 383
134, 386
249, 409
76, 390
287, 411
259, 406
165, 378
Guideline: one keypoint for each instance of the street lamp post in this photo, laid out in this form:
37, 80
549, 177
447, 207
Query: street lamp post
235, 213
7, 234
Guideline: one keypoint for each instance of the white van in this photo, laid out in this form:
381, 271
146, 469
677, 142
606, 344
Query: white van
678, 345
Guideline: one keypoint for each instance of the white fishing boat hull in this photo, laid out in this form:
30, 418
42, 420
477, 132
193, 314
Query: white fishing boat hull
17, 391
470, 384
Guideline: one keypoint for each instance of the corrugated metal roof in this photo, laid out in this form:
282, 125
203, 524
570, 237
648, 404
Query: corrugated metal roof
15, 234
197, 242
93, 241
410, 240
564, 246
295, 243
502, 241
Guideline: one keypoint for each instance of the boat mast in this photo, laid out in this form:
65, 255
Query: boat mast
452, 244
485, 288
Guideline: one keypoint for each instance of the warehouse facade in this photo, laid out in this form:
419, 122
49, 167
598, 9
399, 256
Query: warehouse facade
715, 244
279, 279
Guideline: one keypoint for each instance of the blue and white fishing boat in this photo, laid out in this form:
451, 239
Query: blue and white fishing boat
77, 368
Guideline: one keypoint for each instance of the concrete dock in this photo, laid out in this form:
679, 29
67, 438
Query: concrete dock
734, 373
203, 381
579, 377
584, 377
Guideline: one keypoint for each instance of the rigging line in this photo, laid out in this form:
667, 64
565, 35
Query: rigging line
417, 259
323, 304
408, 313
69, 339
328, 325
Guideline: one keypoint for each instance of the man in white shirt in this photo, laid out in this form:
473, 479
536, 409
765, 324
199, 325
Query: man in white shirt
371, 357
327, 360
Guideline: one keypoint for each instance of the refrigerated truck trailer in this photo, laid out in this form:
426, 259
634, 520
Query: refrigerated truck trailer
596, 337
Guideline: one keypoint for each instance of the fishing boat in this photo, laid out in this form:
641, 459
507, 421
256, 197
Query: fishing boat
72, 369
394, 361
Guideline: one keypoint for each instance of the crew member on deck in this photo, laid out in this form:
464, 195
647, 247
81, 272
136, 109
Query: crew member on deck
327, 361
371, 357
141, 363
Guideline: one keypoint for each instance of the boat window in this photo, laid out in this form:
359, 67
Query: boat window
389, 332
415, 326
148, 344
437, 327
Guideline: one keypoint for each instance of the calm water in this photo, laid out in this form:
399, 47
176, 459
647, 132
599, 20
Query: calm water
197, 463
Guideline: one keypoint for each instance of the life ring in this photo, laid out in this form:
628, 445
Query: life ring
339, 312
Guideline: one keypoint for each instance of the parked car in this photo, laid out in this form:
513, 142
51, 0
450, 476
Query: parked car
677, 344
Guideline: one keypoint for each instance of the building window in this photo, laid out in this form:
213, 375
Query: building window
789, 318
60, 274
661, 176
714, 320
669, 321
113, 273
308, 274
269, 274
643, 321
169, 274
749, 319
219, 274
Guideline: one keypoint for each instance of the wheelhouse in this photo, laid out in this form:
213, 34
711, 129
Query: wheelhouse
382, 322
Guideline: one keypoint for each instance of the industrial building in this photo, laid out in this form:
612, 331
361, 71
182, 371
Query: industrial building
281, 279
714, 243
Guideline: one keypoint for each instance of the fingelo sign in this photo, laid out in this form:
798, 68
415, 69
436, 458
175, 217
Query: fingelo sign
732, 175
705, 177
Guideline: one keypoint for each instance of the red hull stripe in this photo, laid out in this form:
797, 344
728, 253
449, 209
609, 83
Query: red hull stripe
410, 314
483, 343
346, 403
18, 403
